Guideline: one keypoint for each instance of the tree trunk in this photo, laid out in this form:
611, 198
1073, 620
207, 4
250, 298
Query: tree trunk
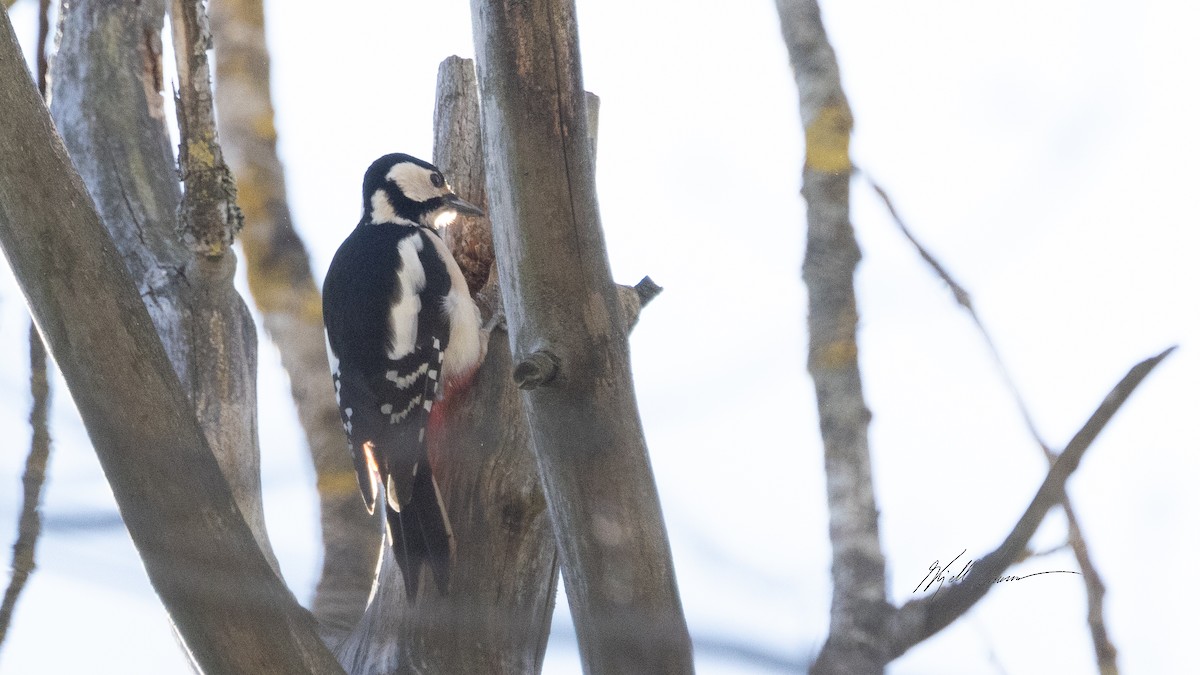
567, 332
224, 598
107, 104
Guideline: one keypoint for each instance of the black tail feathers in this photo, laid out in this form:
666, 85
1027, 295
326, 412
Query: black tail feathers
421, 533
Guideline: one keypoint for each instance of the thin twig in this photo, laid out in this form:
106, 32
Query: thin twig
43, 39
1047, 552
30, 524
963, 298
1106, 653
921, 618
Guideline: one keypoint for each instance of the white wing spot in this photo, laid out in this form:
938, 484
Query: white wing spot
386, 408
398, 416
408, 380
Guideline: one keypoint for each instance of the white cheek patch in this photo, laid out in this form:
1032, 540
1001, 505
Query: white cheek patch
381, 208
414, 182
466, 343
407, 304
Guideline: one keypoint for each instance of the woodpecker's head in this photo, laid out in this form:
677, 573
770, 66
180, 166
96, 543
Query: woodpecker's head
400, 188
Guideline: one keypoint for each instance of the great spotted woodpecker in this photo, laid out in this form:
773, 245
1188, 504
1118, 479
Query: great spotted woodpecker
402, 330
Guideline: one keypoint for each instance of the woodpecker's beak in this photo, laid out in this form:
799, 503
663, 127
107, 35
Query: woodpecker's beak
462, 206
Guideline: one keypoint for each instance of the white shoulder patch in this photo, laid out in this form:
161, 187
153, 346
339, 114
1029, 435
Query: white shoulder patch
381, 209
407, 303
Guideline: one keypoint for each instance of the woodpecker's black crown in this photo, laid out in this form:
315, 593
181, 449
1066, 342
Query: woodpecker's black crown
400, 188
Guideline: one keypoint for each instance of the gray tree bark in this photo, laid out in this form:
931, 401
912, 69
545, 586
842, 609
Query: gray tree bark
283, 288
866, 631
567, 333
106, 100
224, 598
496, 616
29, 525
860, 606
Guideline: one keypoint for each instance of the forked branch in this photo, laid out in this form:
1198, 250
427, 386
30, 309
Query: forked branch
921, 618
1106, 652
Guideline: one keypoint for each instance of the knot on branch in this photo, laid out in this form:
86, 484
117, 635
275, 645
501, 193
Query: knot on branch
208, 212
536, 370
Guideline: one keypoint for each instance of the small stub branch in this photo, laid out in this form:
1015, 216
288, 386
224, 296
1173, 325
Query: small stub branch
540, 367
537, 370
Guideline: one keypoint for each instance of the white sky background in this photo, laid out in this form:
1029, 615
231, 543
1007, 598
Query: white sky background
1044, 150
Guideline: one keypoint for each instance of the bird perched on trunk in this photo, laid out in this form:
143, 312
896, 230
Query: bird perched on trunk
402, 332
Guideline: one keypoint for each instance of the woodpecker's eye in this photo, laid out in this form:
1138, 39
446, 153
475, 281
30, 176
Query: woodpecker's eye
437, 180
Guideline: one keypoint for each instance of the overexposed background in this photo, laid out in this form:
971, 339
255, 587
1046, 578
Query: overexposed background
1046, 151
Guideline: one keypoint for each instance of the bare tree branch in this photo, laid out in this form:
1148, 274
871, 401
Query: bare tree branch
963, 298
1106, 653
920, 618
458, 152
222, 340
860, 608
282, 286
29, 526
209, 215
223, 597
560, 299
42, 63
108, 106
